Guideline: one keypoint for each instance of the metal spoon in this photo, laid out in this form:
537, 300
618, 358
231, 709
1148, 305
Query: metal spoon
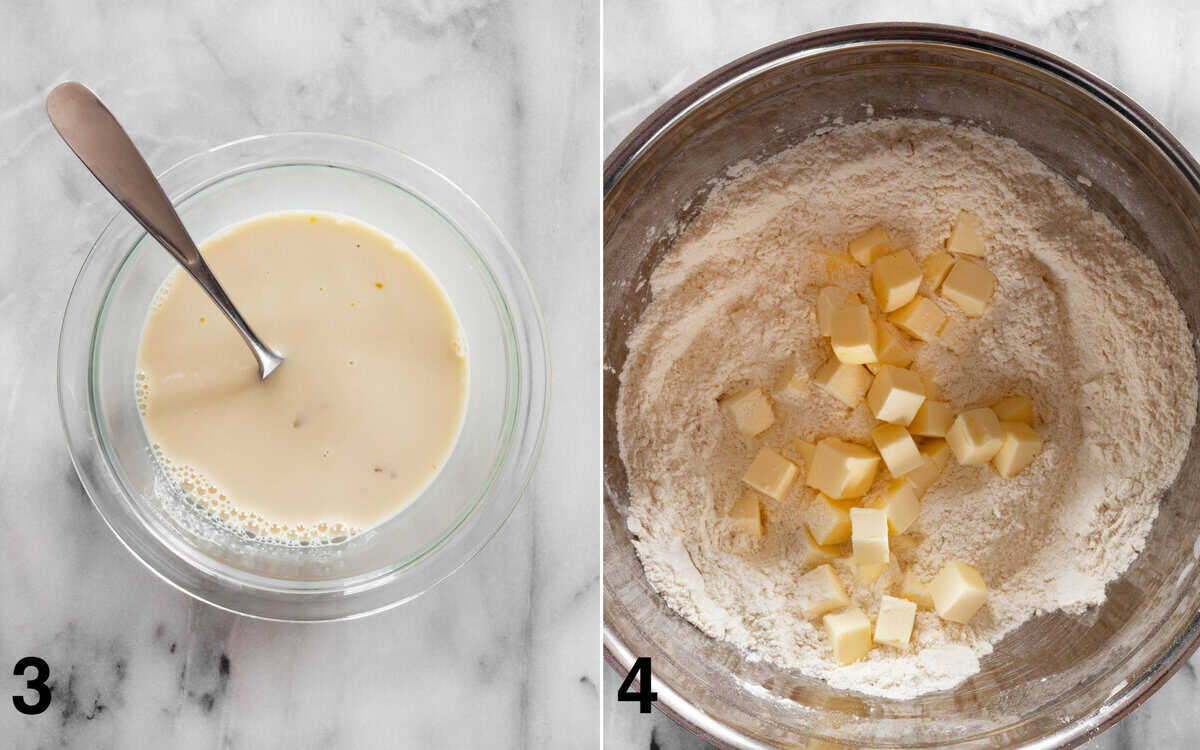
105, 149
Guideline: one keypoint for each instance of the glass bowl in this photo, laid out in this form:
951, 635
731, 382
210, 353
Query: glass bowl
1058, 679
428, 539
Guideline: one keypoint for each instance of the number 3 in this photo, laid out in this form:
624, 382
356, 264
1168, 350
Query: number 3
37, 683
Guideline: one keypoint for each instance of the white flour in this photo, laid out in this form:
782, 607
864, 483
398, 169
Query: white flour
1081, 321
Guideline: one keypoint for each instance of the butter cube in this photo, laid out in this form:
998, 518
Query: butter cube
874, 367
895, 279
892, 347
894, 623
747, 515
829, 300
896, 395
934, 456
970, 286
958, 592
849, 634
869, 536
899, 504
770, 473
842, 470
921, 318
967, 235
813, 554
868, 574
1014, 409
933, 419
938, 451
866, 248
828, 520
852, 335
897, 448
914, 589
751, 411
804, 450
845, 382
1021, 445
975, 436
936, 268
821, 591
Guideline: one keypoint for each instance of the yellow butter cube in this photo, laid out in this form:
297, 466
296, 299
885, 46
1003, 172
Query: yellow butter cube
892, 347
830, 299
748, 515
869, 574
828, 520
849, 635
933, 419
936, 268
914, 589
869, 536
813, 554
842, 470
804, 450
751, 411
969, 285
899, 504
845, 382
852, 335
921, 318
967, 235
896, 395
867, 247
938, 451
934, 456
894, 623
895, 279
770, 473
1021, 445
1014, 409
958, 591
897, 448
975, 436
820, 591
874, 367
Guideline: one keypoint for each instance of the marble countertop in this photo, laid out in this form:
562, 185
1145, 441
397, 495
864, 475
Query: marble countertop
1146, 49
504, 100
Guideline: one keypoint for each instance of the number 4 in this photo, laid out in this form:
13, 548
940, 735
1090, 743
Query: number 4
644, 696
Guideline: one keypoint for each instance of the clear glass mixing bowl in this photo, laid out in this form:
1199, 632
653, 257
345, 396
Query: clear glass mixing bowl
431, 537
1058, 679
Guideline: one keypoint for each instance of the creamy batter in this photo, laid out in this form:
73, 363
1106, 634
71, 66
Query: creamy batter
357, 421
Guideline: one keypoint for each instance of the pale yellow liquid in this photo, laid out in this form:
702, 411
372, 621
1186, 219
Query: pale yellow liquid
356, 422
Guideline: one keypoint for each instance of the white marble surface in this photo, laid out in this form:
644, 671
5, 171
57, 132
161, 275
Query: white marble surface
1146, 48
502, 97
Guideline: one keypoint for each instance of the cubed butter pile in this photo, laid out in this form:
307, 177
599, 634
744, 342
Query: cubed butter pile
869, 364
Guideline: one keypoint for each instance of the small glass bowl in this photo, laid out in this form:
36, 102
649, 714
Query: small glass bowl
433, 535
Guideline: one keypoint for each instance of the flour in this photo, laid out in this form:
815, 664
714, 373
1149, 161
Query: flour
1081, 321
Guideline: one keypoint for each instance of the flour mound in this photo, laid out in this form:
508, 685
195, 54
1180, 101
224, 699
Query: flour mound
1081, 321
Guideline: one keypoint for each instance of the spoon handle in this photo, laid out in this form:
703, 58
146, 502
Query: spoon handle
106, 150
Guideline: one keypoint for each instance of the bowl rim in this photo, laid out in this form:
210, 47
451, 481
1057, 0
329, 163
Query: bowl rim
530, 411
641, 138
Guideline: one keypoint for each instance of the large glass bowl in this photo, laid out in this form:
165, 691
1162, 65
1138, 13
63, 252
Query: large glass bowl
1058, 679
437, 532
